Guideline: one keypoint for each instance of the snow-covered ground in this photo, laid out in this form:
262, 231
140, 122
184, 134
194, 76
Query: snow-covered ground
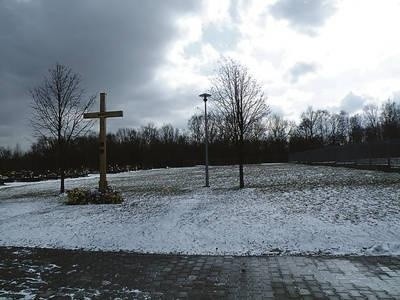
286, 209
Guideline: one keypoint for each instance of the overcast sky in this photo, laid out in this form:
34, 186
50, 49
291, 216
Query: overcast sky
154, 57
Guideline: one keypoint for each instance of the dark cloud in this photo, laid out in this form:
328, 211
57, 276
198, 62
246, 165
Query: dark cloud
300, 69
351, 103
304, 15
169, 107
115, 45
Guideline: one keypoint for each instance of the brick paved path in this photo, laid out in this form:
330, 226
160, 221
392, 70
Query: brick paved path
65, 274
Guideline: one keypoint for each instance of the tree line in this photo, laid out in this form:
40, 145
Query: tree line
318, 128
150, 146
140, 148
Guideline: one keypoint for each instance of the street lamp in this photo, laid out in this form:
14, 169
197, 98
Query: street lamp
205, 95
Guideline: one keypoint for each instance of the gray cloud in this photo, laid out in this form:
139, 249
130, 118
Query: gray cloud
351, 103
300, 69
276, 109
115, 46
221, 38
304, 15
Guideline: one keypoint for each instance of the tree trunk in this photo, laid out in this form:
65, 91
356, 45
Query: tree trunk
62, 179
241, 180
61, 167
241, 158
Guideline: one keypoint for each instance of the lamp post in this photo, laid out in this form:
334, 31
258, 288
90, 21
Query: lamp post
205, 95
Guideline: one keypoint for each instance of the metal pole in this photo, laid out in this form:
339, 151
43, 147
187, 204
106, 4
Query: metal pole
204, 96
102, 146
206, 139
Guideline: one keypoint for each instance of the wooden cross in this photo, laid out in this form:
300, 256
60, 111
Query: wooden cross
102, 115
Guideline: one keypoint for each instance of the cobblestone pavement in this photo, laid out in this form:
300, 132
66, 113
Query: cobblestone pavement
66, 274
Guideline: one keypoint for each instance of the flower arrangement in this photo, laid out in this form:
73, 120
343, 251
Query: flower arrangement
79, 196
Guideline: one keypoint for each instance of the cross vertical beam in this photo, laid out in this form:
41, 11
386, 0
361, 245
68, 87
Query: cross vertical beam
103, 145
102, 115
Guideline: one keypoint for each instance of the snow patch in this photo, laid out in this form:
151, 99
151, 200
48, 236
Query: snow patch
287, 209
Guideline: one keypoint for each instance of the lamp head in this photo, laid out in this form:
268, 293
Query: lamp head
205, 95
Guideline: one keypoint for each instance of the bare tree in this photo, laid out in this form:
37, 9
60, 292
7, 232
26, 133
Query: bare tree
58, 105
196, 128
149, 133
310, 124
238, 97
343, 127
257, 132
390, 120
216, 129
126, 135
371, 122
338, 128
356, 130
323, 126
167, 134
278, 128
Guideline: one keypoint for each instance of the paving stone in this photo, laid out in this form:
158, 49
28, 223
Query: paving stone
99, 275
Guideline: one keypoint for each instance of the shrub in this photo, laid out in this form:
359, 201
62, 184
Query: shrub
79, 196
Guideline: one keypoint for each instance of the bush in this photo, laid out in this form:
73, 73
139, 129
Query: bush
79, 196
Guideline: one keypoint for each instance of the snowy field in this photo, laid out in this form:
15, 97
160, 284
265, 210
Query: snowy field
285, 209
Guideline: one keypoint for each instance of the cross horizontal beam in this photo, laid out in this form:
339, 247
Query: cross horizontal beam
107, 114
